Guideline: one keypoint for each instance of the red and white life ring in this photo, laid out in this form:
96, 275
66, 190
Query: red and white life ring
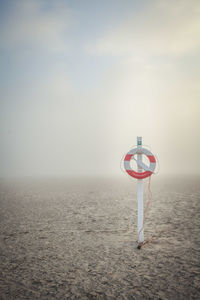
148, 170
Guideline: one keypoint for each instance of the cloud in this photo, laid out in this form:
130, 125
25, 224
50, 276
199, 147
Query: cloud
154, 88
151, 88
162, 28
29, 24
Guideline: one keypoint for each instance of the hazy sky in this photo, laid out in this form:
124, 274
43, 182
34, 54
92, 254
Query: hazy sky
80, 79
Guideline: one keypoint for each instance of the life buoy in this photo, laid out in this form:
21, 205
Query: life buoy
147, 170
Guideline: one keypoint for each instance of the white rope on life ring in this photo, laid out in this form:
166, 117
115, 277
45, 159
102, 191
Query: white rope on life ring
148, 170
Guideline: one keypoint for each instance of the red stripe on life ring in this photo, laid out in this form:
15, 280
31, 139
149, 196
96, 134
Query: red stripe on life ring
139, 175
128, 157
151, 158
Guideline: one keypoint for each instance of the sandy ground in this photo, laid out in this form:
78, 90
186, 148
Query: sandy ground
76, 239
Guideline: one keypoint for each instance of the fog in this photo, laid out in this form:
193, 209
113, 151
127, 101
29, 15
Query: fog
80, 80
